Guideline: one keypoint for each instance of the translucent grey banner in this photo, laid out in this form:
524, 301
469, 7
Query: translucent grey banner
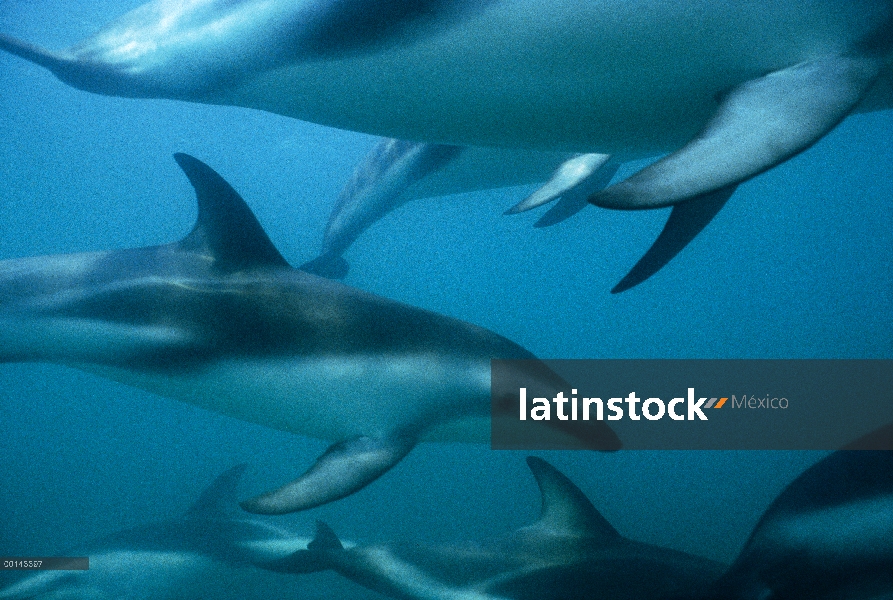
44, 563
692, 404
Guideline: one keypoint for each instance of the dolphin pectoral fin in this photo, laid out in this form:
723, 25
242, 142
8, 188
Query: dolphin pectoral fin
686, 221
579, 172
577, 199
329, 265
564, 209
344, 468
758, 125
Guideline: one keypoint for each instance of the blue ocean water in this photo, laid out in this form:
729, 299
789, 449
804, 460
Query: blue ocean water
798, 265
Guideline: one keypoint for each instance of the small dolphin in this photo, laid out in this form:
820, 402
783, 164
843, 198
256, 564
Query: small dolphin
220, 320
397, 171
829, 534
730, 89
570, 552
206, 553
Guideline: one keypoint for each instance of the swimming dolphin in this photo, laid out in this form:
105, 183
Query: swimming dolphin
570, 552
220, 320
748, 85
829, 534
206, 553
731, 89
397, 171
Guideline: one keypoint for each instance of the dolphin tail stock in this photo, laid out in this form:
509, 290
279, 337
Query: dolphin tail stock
219, 498
341, 470
758, 124
573, 181
686, 221
329, 265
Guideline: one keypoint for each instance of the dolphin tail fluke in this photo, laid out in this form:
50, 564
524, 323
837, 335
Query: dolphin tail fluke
32, 53
343, 469
573, 181
685, 223
566, 510
757, 125
219, 498
330, 266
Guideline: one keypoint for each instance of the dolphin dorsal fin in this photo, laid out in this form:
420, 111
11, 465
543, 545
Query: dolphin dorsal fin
226, 229
566, 509
219, 498
325, 539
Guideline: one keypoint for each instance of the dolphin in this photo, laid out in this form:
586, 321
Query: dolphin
729, 89
205, 553
220, 320
829, 534
397, 171
571, 552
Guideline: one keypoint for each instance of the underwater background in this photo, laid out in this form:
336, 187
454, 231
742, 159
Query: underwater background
799, 264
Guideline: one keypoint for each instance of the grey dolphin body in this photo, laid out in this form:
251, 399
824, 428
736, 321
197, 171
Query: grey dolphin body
206, 553
829, 534
220, 320
731, 89
570, 552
